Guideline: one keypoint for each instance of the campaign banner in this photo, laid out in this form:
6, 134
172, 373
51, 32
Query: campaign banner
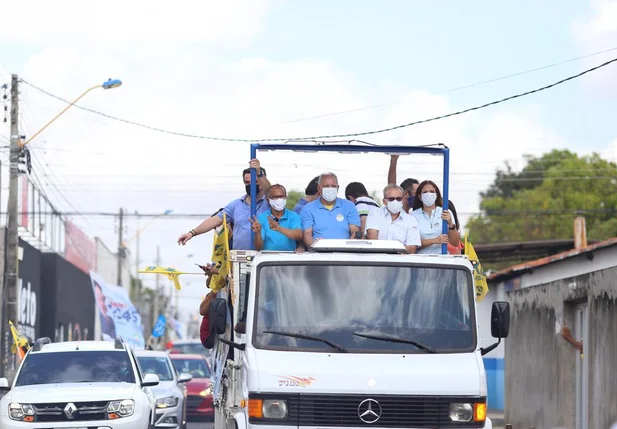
117, 314
79, 249
159, 328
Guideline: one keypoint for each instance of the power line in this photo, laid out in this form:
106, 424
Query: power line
460, 112
375, 106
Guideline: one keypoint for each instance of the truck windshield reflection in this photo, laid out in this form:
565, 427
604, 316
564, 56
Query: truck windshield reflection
364, 309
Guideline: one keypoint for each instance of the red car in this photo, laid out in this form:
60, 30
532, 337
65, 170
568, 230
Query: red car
199, 400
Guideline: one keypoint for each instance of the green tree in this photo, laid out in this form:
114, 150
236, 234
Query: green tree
293, 197
541, 201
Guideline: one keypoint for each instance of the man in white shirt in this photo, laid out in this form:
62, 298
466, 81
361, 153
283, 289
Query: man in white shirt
392, 223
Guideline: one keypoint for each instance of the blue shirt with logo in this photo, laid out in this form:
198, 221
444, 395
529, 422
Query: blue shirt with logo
275, 240
330, 224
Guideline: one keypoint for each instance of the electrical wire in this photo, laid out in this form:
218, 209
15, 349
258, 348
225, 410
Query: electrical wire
365, 133
375, 106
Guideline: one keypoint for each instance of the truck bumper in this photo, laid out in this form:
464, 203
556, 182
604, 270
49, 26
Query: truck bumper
487, 425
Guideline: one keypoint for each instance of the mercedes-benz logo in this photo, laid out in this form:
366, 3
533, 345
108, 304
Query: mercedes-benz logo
369, 411
69, 411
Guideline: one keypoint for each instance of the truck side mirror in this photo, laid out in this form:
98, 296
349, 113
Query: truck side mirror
500, 324
500, 319
218, 316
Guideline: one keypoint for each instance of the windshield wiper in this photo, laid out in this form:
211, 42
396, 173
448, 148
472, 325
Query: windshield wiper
396, 340
307, 337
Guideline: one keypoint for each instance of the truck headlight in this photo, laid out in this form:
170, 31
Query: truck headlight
467, 412
267, 408
21, 412
166, 402
274, 409
461, 412
118, 409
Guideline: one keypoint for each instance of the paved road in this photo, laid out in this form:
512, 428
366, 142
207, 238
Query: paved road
200, 425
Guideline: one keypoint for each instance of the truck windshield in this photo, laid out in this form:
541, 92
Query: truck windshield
364, 308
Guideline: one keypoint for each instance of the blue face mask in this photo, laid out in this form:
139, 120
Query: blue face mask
410, 201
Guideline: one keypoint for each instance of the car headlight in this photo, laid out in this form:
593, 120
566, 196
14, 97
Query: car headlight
118, 409
166, 402
206, 392
467, 412
21, 412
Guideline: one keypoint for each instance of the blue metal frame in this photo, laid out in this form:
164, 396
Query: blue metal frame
344, 148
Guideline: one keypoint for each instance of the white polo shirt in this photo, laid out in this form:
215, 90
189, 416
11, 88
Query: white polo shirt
430, 227
366, 206
404, 228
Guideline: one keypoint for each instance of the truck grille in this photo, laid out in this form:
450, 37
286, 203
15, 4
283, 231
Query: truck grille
84, 411
344, 411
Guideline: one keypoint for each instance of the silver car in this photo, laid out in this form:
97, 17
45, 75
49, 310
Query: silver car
170, 393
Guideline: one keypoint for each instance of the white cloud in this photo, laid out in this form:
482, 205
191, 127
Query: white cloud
119, 25
596, 33
176, 79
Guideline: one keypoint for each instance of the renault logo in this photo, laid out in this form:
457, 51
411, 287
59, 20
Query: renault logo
369, 411
69, 411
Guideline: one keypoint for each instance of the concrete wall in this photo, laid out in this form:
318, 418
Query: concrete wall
540, 364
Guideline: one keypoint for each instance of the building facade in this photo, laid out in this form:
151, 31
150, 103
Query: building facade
562, 346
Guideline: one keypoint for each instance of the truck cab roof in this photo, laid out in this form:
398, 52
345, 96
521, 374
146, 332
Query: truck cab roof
379, 251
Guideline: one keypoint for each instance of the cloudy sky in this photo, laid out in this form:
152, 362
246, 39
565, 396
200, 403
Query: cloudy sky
273, 68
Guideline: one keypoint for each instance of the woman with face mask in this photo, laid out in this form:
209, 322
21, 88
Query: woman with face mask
430, 215
279, 228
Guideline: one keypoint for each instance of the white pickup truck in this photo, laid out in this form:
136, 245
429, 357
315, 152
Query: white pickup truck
350, 334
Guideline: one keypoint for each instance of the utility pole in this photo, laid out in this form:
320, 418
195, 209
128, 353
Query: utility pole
137, 249
120, 245
9, 292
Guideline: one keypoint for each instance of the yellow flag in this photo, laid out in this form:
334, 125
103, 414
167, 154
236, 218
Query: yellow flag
18, 342
171, 273
220, 257
478, 273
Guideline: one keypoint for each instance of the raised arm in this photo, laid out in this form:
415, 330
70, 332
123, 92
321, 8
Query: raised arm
392, 169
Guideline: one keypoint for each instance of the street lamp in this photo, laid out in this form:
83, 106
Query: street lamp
9, 289
110, 84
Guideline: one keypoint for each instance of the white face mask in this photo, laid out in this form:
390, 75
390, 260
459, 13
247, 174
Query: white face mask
429, 198
395, 207
329, 194
278, 204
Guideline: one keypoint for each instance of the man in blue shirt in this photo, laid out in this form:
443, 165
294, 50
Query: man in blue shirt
238, 211
279, 228
310, 195
329, 216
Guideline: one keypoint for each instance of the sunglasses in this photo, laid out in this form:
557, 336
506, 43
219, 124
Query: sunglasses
394, 198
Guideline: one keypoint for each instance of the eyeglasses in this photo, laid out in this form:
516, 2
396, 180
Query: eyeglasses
394, 198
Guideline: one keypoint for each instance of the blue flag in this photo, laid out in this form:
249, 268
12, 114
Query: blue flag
159, 327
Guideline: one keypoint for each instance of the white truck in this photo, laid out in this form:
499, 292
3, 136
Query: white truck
350, 334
